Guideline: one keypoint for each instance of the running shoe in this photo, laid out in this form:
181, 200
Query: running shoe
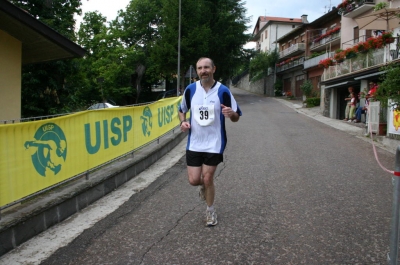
202, 192
211, 218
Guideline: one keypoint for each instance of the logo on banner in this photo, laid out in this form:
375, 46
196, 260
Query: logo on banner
147, 123
48, 150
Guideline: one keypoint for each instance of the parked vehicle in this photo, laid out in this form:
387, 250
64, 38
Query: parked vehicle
167, 94
102, 106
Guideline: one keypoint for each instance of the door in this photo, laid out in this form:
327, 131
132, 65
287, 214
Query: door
299, 82
287, 85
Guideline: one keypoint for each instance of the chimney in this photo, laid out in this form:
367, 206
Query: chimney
304, 19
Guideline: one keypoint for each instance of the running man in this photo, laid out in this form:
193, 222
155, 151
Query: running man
209, 103
49, 154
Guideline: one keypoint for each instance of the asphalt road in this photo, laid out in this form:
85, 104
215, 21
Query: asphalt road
291, 190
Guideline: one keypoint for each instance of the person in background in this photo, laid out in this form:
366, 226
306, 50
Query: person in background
209, 103
372, 89
362, 110
353, 103
348, 104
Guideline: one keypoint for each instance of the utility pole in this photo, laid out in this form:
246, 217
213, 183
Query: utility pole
179, 53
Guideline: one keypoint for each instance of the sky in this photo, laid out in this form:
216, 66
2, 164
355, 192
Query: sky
255, 8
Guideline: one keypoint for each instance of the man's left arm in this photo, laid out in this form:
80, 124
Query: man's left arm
229, 113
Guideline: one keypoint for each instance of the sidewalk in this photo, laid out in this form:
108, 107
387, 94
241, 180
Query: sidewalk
356, 129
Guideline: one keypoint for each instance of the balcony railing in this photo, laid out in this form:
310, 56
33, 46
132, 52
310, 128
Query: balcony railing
292, 49
361, 62
289, 65
356, 7
314, 61
325, 41
353, 42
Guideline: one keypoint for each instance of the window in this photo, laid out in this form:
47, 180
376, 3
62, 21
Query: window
266, 34
368, 33
293, 26
356, 34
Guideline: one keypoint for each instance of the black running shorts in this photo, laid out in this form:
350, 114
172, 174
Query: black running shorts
197, 159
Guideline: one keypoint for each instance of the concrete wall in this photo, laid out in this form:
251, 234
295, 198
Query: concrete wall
10, 77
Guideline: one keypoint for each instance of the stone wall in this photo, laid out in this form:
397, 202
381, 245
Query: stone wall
258, 86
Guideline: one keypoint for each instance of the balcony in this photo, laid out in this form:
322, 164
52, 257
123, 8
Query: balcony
320, 45
289, 65
314, 61
363, 61
356, 7
360, 63
295, 49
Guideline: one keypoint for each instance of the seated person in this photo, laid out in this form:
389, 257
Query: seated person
362, 110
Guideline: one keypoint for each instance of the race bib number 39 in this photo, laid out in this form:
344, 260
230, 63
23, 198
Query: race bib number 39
204, 114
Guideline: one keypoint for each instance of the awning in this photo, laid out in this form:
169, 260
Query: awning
338, 84
366, 76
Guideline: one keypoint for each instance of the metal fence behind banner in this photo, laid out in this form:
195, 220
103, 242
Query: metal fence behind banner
39, 118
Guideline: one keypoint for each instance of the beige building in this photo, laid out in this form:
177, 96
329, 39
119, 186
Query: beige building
25, 40
268, 29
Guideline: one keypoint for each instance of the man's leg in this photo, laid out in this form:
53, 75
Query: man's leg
208, 179
346, 112
196, 179
194, 175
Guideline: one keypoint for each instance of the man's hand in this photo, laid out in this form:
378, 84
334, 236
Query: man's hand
185, 126
229, 113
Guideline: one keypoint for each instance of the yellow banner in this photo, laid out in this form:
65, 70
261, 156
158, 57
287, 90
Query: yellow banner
36, 155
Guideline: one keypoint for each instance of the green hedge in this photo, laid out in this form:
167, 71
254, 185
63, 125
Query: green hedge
313, 102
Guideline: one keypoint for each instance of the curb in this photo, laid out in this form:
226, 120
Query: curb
382, 142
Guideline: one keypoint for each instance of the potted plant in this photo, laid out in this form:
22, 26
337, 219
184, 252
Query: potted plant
350, 53
325, 63
339, 55
387, 37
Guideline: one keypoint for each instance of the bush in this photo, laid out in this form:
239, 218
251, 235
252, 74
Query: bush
313, 102
307, 88
278, 88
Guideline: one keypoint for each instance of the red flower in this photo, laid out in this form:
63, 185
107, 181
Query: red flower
325, 62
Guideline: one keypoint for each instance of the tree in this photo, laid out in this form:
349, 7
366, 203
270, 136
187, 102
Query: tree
107, 76
137, 28
209, 28
390, 86
260, 64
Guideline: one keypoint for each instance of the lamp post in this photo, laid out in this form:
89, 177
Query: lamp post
179, 52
